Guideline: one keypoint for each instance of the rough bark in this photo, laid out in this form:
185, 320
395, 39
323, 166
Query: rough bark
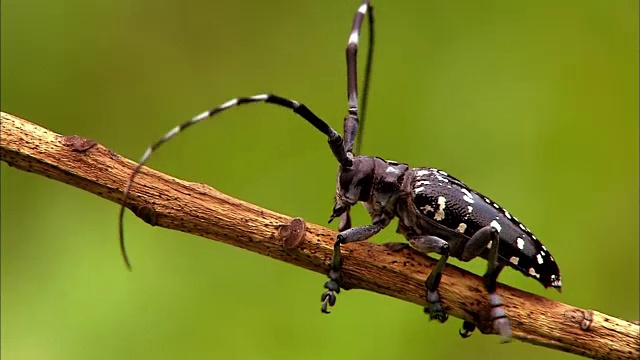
198, 209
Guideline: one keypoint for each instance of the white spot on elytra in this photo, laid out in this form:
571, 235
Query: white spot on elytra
427, 208
467, 196
228, 104
506, 213
461, 228
441, 178
532, 272
422, 182
535, 238
543, 253
514, 260
422, 172
487, 200
391, 169
496, 225
442, 172
496, 205
520, 243
442, 202
418, 190
540, 261
470, 208
543, 248
522, 227
489, 244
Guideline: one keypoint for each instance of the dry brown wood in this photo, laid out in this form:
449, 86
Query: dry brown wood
199, 209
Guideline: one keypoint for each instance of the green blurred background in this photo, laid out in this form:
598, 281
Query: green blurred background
532, 103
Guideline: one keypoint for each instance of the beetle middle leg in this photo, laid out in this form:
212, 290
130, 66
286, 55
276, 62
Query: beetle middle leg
488, 237
430, 244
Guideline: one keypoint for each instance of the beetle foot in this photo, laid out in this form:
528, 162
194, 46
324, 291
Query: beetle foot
501, 323
502, 326
467, 328
435, 309
328, 297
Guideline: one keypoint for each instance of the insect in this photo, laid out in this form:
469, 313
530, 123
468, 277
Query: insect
436, 212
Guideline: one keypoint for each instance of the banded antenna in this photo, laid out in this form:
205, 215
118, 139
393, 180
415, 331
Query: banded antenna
356, 117
351, 121
335, 143
367, 79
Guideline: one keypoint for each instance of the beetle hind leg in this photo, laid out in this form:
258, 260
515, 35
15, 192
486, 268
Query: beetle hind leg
501, 323
483, 238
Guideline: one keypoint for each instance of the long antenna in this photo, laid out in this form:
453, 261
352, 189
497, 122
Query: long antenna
367, 82
335, 143
352, 120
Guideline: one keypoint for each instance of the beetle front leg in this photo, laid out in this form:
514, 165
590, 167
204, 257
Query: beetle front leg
488, 237
359, 233
430, 244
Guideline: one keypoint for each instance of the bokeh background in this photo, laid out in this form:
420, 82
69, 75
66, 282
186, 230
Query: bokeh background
532, 103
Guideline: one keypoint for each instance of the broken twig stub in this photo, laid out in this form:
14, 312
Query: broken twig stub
78, 143
292, 234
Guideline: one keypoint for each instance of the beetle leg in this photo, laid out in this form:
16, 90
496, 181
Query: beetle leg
501, 323
359, 233
467, 328
430, 244
483, 238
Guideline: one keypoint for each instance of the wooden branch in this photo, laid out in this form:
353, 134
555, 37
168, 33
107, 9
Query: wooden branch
199, 209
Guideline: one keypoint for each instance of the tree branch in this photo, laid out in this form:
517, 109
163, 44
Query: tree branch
199, 209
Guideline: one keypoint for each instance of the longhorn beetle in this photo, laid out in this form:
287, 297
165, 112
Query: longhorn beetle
437, 213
